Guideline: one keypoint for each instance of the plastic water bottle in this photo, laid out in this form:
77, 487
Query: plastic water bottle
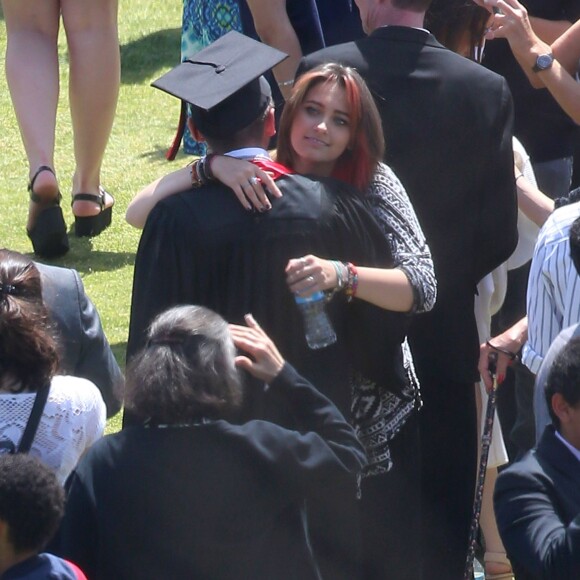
318, 329
478, 570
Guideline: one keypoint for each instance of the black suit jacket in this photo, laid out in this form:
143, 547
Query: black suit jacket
85, 351
537, 506
448, 130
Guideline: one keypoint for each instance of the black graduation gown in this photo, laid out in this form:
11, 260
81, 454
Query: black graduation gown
202, 247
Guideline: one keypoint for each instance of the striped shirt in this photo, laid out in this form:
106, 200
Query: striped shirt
553, 300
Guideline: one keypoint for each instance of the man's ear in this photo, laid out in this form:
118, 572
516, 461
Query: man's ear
195, 131
270, 124
560, 407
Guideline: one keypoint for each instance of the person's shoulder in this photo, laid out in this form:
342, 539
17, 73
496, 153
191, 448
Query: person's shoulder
44, 566
75, 393
565, 215
196, 209
251, 435
56, 275
538, 466
296, 185
557, 227
191, 198
469, 71
334, 53
111, 448
527, 472
384, 171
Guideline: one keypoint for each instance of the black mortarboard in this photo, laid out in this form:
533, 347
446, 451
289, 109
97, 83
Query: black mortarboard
223, 83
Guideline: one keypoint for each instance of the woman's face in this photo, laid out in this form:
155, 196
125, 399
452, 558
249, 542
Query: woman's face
320, 131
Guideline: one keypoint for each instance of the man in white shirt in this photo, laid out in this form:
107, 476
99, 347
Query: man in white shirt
553, 301
537, 499
553, 304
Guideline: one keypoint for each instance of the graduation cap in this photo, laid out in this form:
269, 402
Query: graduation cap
223, 83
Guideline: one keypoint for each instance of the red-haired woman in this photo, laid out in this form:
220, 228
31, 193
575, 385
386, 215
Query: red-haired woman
331, 127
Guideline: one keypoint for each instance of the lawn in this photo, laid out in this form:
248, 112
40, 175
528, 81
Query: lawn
145, 124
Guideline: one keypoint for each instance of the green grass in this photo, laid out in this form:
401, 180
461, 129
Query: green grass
145, 124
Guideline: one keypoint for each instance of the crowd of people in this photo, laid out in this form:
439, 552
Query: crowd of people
383, 161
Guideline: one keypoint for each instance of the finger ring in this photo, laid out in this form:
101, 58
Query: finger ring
310, 279
303, 262
254, 180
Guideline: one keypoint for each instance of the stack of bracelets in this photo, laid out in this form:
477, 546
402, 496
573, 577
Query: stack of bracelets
346, 279
200, 170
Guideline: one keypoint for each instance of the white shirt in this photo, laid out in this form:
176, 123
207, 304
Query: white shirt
553, 300
73, 419
575, 452
249, 153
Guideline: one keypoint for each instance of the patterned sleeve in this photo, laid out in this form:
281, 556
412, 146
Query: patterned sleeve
392, 208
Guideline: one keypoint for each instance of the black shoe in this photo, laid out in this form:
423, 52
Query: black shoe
93, 225
48, 235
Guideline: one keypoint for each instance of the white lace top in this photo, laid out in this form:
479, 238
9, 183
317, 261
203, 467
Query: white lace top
73, 419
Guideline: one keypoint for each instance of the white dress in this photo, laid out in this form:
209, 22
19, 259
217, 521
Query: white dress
491, 294
73, 419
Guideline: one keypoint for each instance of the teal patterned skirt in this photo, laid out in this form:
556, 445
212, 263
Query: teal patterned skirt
204, 21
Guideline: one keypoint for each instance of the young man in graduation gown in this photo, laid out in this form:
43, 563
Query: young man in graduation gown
202, 247
448, 125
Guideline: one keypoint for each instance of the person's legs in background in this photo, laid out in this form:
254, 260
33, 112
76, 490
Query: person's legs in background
497, 566
95, 65
448, 431
33, 79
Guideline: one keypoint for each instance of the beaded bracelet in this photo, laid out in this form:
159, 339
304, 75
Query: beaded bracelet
341, 277
341, 274
207, 166
194, 174
352, 282
200, 170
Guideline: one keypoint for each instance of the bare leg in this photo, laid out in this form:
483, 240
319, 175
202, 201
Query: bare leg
32, 71
494, 547
91, 29
493, 543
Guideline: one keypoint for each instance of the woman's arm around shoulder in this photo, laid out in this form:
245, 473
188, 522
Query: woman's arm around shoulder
144, 201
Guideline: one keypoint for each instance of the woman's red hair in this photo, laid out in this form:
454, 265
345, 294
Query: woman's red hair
366, 147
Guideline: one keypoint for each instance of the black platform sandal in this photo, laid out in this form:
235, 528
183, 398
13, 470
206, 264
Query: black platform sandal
93, 225
48, 235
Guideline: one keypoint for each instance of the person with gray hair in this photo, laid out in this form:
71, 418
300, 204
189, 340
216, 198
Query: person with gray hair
192, 491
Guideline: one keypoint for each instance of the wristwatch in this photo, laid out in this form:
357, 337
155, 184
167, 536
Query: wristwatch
543, 62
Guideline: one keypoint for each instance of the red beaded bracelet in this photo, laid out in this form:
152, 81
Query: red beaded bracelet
352, 282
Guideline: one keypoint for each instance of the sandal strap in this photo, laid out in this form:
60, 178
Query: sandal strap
98, 198
35, 197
